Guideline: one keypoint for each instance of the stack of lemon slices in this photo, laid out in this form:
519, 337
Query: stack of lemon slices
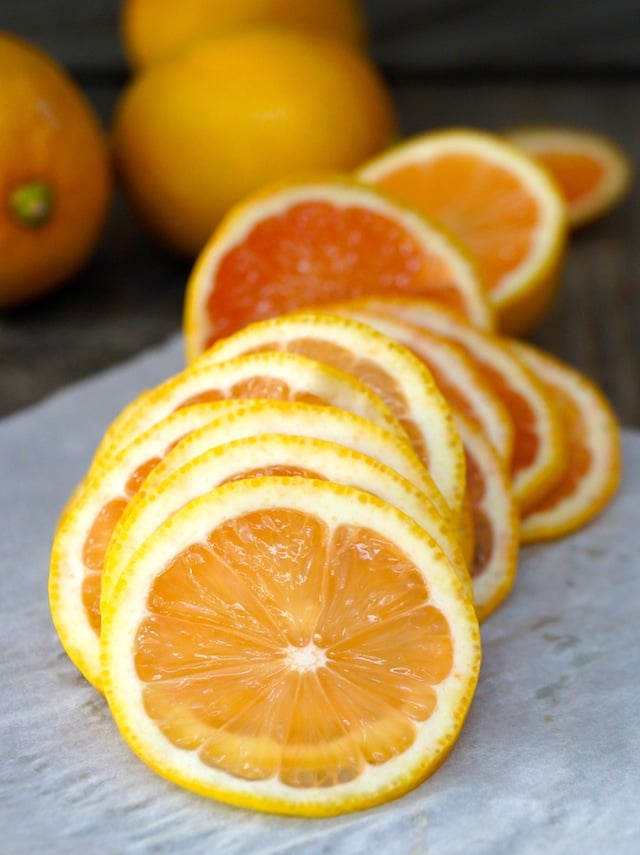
276, 565
264, 570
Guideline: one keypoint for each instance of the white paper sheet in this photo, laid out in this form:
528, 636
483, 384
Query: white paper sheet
548, 761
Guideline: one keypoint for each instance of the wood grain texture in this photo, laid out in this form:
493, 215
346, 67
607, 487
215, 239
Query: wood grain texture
433, 35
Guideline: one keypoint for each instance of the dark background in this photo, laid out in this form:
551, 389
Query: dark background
483, 63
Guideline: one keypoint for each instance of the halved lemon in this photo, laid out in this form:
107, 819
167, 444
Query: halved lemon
593, 173
497, 200
310, 241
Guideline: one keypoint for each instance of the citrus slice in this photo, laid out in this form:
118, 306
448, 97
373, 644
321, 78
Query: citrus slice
86, 525
593, 173
400, 379
274, 454
593, 450
244, 419
501, 204
280, 376
462, 384
494, 513
290, 645
538, 458
295, 244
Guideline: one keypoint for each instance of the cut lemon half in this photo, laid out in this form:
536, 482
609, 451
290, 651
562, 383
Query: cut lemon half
290, 645
593, 173
538, 458
295, 244
593, 450
279, 455
397, 377
501, 204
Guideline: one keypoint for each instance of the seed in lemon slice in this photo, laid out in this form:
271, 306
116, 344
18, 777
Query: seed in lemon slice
494, 513
593, 469
275, 454
538, 458
307, 242
593, 173
290, 645
86, 525
399, 378
501, 204
280, 376
462, 384
252, 418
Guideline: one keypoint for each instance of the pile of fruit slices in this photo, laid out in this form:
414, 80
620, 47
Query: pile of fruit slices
277, 563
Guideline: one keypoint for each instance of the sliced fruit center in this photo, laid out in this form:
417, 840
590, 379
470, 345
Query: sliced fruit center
282, 648
315, 252
479, 201
96, 542
578, 174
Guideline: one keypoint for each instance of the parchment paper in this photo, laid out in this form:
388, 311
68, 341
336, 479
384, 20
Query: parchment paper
548, 761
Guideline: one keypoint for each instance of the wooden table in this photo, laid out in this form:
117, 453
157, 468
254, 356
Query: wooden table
130, 295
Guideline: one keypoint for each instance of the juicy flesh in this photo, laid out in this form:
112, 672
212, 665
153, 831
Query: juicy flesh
96, 542
370, 372
526, 440
482, 203
578, 174
579, 456
482, 525
316, 252
282, 648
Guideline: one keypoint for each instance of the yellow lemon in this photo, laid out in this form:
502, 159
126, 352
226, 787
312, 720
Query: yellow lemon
195, 134
153, 30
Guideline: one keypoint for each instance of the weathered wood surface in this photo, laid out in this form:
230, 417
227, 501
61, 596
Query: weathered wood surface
130, 296
435, 35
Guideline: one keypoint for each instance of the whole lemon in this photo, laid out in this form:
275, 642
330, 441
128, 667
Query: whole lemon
153, 30
55, 175
195, 134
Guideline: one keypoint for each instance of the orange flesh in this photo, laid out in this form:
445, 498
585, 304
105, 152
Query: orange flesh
482, 527
481, 203
277, 469
526, 443
96, 543
369, 372
255, 387
578, 453
452, 392
577, 173
315, 252
278, 589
